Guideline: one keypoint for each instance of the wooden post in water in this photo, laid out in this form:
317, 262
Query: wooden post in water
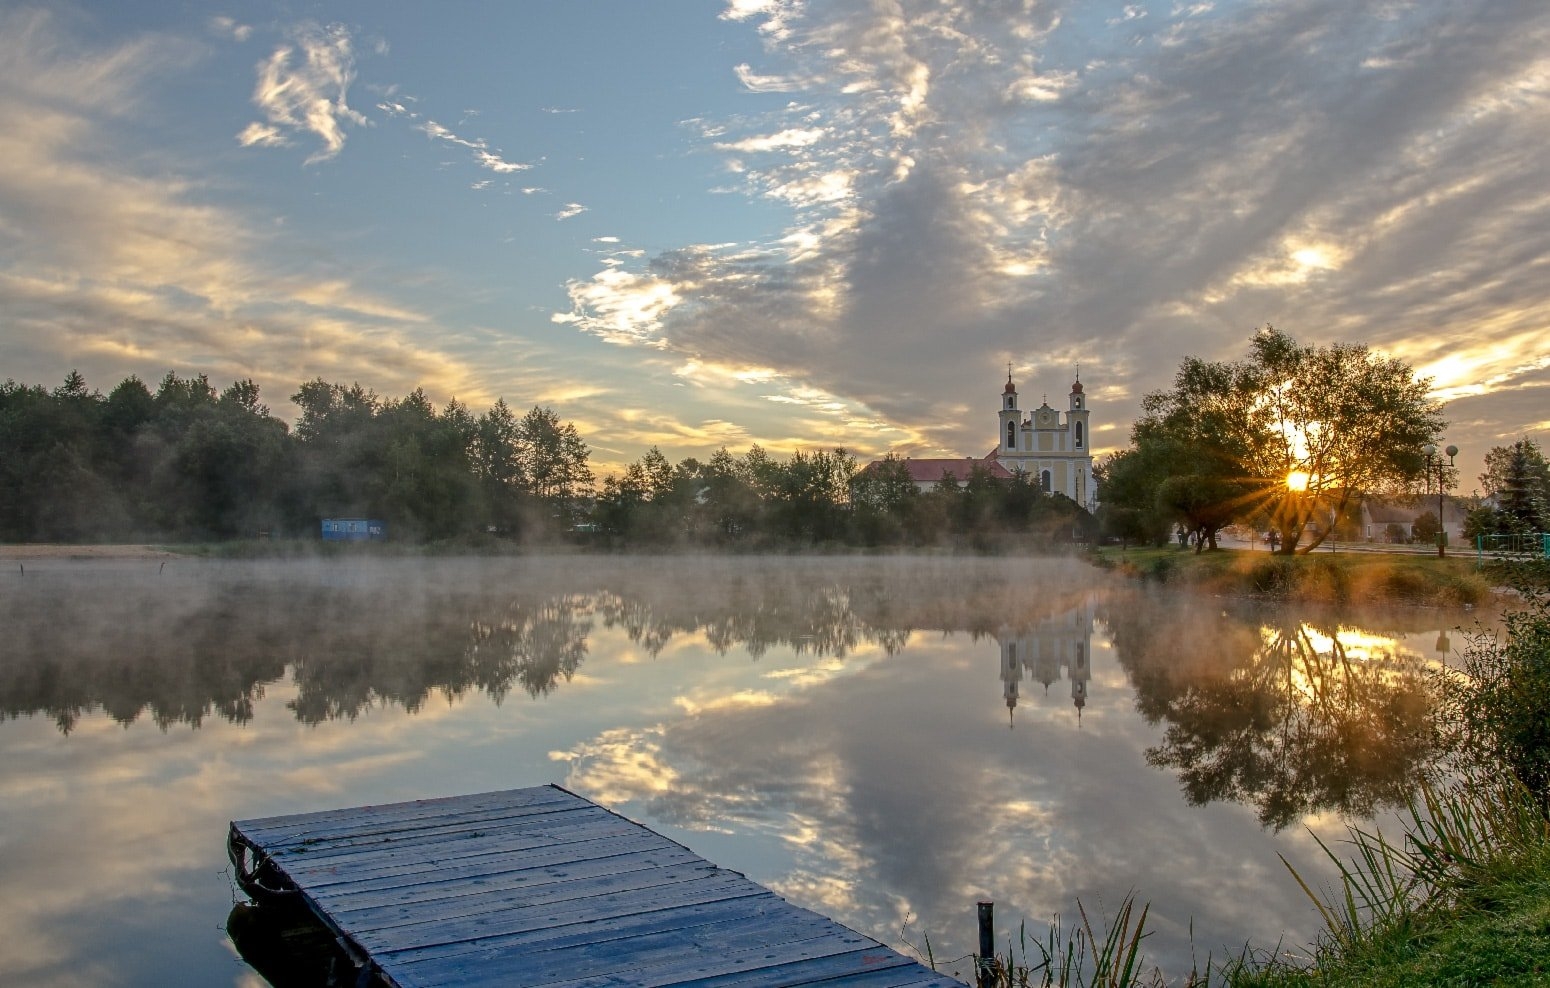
987, 955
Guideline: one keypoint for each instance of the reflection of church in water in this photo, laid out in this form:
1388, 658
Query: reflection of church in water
1041, 652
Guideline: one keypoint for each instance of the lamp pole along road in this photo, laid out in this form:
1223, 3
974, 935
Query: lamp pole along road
1430, 449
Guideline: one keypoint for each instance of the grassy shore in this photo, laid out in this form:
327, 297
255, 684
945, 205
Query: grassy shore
1461, 895
1321, 577
1462, 898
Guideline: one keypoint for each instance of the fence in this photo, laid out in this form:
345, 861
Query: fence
1526, 546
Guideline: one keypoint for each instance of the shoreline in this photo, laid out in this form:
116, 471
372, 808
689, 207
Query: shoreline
59, 550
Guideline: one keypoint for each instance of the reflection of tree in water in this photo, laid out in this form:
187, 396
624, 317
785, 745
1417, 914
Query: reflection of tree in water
199, 641
749, 615
532, 647
184, 649
1277, 712
67, 656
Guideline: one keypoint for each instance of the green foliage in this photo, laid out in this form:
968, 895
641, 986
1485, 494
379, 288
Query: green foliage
1499, 708
1129, 481
1518, 478
1333, 578
1463, 897
1483, 520
820, 498
1460, 898
1222, 443
186, 463
1082, 956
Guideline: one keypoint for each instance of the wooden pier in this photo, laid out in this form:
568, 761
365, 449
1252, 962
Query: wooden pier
540, 886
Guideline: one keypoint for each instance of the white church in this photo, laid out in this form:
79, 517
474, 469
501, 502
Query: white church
1052, 447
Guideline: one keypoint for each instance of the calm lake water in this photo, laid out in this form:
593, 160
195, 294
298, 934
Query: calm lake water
884, 740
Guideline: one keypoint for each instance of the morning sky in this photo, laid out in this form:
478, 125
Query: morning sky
693, 223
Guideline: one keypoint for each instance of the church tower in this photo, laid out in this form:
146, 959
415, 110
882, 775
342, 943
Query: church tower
1011, 417
1081, 446
1050, 446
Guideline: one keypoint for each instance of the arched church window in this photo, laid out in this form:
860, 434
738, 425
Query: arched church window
1044, 481
1079, 435
1011, 435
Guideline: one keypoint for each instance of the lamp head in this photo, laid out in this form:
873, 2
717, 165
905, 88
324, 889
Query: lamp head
1430, 449
1452, 451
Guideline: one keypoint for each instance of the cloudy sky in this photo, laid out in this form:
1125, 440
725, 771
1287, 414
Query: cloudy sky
794, 222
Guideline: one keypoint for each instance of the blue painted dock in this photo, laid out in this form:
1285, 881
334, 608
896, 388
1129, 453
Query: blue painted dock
541, 886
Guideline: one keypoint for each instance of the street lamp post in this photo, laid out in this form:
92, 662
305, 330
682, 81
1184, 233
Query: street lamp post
1430, 449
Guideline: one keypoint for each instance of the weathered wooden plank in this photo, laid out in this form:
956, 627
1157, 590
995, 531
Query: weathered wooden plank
472, 904
541, 888
802, 962
345, 900
626, 955
769, 910
515, 800
799, 968
712, 888
483, 826
337, 840
428, 827
494, 864
408, 860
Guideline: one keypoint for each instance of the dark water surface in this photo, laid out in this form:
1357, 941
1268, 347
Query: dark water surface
885, 740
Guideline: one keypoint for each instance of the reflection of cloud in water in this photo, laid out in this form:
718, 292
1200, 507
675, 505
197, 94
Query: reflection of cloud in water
842, 720
619, 766
894, 801
203, 639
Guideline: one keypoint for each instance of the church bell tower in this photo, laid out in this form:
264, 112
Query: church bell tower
1011, 417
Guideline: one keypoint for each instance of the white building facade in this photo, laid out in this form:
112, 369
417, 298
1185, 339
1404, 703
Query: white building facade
1039, 653
1054, 448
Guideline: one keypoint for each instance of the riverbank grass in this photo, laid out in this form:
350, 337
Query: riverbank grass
1320, 577
1463, 898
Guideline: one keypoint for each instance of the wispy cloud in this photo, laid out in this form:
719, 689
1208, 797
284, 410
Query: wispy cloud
569, 210
483, 155
227, 27
303, 88
971, 183
757, 83
116, 269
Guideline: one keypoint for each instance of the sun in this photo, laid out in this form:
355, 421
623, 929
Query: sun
1297, 480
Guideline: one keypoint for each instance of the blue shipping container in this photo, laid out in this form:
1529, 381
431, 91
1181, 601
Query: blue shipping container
353, 529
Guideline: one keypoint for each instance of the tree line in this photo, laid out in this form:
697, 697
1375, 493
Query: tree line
823, 498
188, 462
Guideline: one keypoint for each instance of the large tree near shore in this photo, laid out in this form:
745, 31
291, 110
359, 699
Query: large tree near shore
1290, 434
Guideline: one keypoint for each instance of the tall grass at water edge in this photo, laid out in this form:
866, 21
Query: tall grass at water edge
1460, 897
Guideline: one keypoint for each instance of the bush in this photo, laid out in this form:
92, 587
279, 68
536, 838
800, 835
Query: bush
1273, 576
1497, 713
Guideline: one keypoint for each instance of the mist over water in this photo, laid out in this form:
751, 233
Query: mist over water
884, 740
